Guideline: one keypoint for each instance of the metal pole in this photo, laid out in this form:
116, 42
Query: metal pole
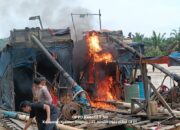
74, 27
40, 22
100, 19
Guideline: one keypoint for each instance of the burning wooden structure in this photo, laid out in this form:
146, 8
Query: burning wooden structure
99, 79
107, 69
105, 81
110, 67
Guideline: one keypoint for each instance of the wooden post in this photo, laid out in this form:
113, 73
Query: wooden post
145, 82
162, 99
174, 76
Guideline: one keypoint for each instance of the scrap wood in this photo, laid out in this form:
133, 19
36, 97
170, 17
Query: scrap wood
171, 127
82, 126
116, 111
138, 124
22, 124
66, 127
164, 110
128, 105
24, 117
149, 125
141, 122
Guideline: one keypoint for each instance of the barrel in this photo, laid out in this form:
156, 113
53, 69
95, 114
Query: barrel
131, 91
134, 91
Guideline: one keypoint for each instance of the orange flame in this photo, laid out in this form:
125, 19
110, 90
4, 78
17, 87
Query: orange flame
104, 93
95, 48
102, 105
104, 90
104, 87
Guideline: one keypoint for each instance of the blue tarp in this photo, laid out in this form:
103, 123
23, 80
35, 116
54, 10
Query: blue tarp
126, 59
4, 61
16, 70
174, 59
175, 55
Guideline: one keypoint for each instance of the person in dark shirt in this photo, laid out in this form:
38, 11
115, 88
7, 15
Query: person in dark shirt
46, 115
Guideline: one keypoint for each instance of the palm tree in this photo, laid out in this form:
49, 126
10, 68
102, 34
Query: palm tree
176, 38
138, 37
154, 44
157, 40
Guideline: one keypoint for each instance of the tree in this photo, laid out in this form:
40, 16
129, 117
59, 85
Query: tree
138, 37
157, 40
176, 39
154, 44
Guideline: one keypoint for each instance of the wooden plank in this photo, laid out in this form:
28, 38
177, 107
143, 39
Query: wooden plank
170, 128
22, 124
141, 122
82, 126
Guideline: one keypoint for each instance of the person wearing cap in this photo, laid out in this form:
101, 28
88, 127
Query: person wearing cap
40, 92
46, 115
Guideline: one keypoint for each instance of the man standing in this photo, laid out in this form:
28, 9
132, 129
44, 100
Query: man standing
46, 115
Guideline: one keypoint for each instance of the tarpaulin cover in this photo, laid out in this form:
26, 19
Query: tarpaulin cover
4, 61
125, 57
156, 60
172, 60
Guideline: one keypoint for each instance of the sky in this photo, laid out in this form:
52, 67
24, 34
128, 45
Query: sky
142, 16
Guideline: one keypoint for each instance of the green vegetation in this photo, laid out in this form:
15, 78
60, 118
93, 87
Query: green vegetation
158, 44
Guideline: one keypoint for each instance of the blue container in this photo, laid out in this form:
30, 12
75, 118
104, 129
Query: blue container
141, 90
134, 91
131, 91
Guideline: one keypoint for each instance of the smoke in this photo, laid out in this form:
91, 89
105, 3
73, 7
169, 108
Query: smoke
54, 14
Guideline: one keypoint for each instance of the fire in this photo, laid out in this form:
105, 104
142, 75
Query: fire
95, 49
104, 93
107, 57
104, 90
102, 105
94, 45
